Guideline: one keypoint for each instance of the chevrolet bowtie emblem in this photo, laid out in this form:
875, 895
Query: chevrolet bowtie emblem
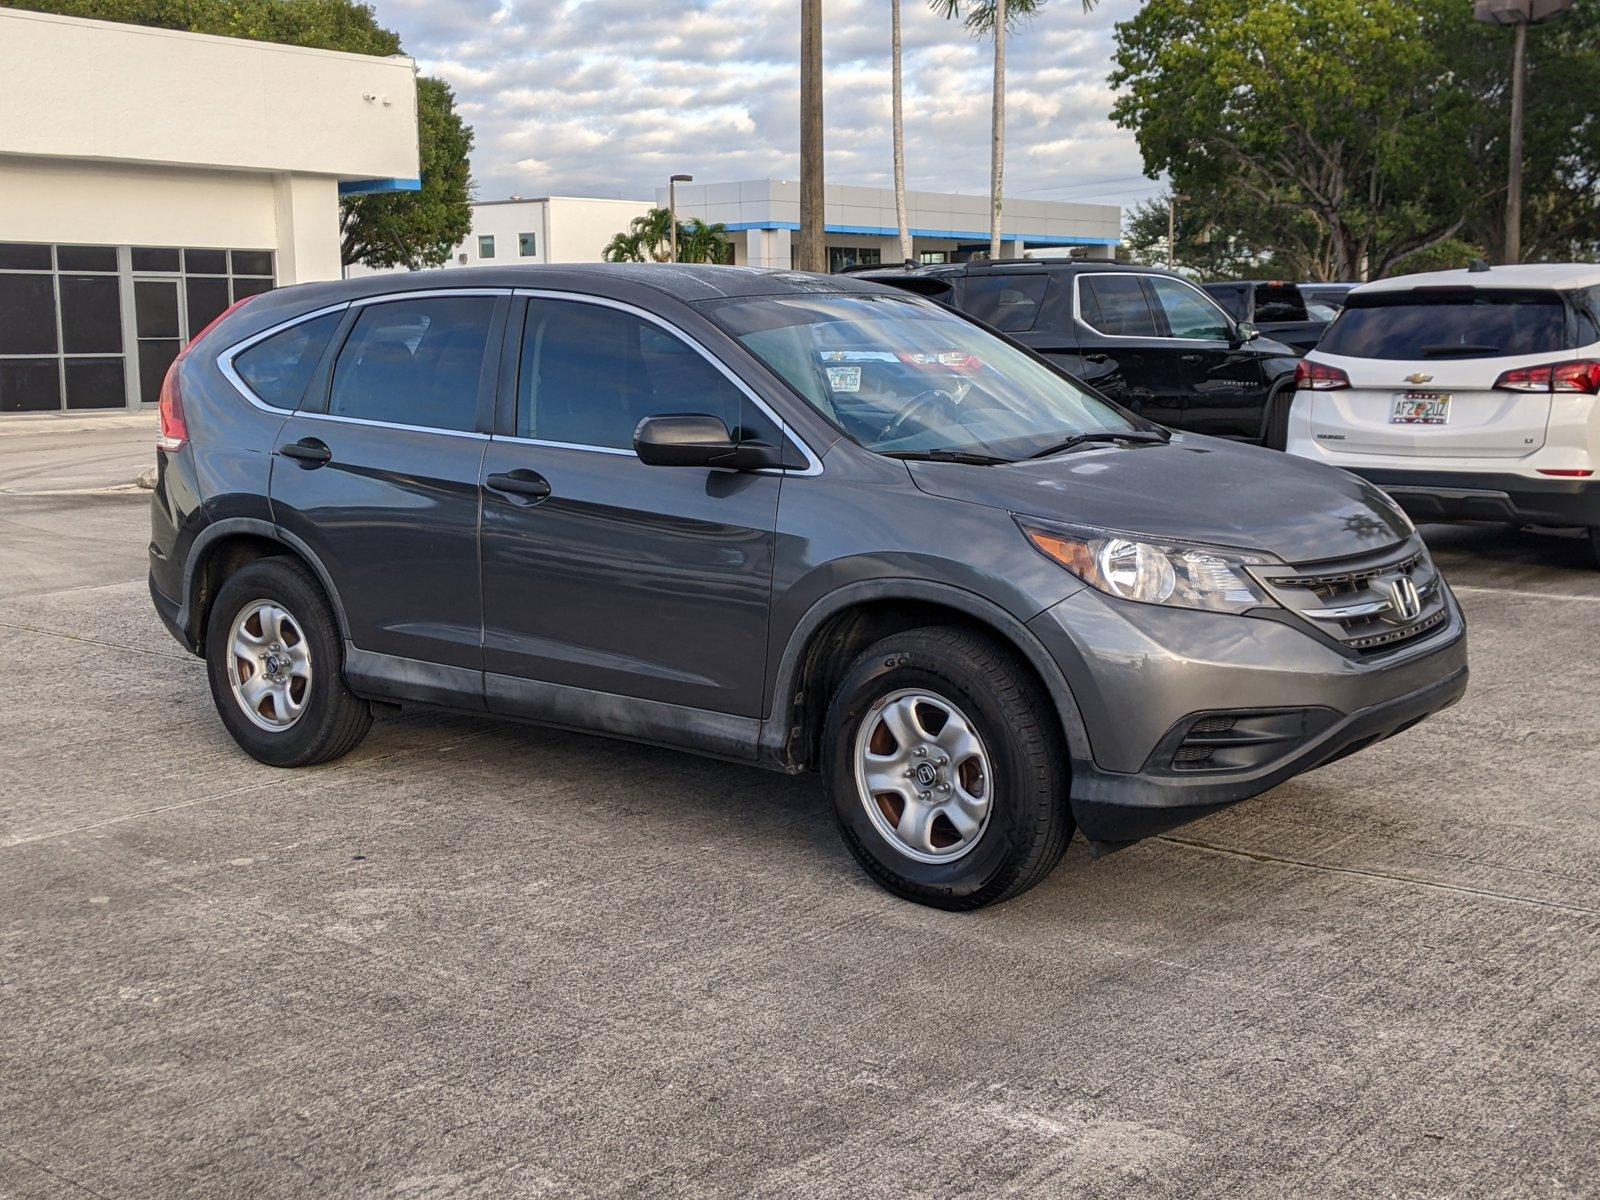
1418, 377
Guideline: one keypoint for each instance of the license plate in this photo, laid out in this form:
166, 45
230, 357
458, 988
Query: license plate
844, 379
1420, 408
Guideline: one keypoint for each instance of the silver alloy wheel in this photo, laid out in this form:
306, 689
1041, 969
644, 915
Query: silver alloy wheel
924, 775
269, 665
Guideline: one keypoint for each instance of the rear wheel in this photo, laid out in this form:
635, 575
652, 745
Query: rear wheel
1276, 434
1594, 543
275, 661
946, 769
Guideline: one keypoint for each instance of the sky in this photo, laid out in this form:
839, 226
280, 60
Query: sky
609, 97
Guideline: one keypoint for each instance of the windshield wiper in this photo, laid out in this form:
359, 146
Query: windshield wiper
1104, 435
1469, 348
949, 454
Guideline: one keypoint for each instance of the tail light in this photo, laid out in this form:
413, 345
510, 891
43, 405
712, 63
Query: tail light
1581, 376
174, 433
1319, 377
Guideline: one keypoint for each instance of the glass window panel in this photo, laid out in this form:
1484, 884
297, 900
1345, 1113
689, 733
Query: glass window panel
154, 359
414, 362
1446, 324
95, 383
1008, 302
527, 245
205, 262
486, 246
1279, 302
154, 258
252, 262
155, 307
91, 314
27, 314
590, 374
250, 287
207, 299
277, 369
86, 258
23, 256
30, 384
1120, 306
1190, 313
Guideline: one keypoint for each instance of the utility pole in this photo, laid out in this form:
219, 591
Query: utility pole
812, 252
1172, 227
1521, 14
672, 207
997, 130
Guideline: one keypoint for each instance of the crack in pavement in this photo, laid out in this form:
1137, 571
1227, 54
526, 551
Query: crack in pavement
89, 641
1373, 873
56, 1175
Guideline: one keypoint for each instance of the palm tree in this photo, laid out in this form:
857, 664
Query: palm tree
995, 18
702, 243
648, 238
899, 134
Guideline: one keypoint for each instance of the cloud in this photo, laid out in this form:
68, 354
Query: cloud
608, 97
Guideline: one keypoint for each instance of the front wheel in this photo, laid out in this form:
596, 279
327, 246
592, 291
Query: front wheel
275, 661
1276, 433
946, 768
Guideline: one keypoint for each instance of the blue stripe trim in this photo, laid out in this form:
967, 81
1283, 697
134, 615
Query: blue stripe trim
370, 187
1030, 239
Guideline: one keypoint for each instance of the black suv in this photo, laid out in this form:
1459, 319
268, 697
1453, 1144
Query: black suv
798, 521
1148, 339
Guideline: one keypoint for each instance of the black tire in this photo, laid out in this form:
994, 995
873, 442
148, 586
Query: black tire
1276, 434
334, 720
1594, 543
1029, 821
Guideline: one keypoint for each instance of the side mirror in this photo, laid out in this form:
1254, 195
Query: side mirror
1247, 332
698, 440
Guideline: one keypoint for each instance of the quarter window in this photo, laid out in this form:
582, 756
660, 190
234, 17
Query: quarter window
1008, 302
590, 374
486, 246
277, 369
1188, 313
414, 362
1116, 305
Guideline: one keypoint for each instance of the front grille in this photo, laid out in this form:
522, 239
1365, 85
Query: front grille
1372, 604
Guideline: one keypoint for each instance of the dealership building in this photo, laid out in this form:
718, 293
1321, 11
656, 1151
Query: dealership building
762, 217
149, 179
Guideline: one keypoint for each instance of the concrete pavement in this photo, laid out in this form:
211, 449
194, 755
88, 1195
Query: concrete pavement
476, 959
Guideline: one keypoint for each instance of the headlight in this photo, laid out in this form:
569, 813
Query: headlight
1154, 572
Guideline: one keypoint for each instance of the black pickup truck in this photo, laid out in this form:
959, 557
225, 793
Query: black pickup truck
1274, 307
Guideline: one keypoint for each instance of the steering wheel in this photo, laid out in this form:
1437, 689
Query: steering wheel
911, 408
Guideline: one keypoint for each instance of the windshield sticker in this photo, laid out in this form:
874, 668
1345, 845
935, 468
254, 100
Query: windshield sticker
844, 379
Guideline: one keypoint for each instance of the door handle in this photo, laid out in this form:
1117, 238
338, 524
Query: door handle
309, 452
521, 482
1094, 358
1193, 358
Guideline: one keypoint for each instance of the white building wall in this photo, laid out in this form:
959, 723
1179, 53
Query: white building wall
569, 229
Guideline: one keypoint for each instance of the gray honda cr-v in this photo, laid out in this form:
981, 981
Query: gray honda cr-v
797, 521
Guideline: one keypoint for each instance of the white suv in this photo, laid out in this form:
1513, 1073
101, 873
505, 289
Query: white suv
1464, 394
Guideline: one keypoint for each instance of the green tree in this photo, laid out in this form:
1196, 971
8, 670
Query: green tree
411, 229
648, 238
1338, 138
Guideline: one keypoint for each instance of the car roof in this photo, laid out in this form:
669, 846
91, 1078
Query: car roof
1522, 275
1000, 266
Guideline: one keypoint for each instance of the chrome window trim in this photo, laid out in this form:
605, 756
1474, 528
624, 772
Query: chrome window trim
813, 463
1077, 307
341, 420
231, 374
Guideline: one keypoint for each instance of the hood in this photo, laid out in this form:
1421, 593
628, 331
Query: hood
1193, 489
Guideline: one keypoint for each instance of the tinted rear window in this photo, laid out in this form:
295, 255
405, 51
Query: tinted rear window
1279, 302
278, 368
1010, 303
1467, 323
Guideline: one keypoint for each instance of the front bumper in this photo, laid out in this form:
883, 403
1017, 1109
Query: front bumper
1470, 496
1143, 675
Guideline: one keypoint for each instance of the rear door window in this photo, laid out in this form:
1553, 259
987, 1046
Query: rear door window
278, 368
1116, 305
1232, 296
414, 362
1279, 302
1449, 323
1010, 303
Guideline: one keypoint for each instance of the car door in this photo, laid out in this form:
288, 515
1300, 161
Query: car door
1121, 343
377, 473
627, 594
1225, 386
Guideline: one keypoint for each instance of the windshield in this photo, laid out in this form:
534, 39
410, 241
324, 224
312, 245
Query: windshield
901, 375
1461, 323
